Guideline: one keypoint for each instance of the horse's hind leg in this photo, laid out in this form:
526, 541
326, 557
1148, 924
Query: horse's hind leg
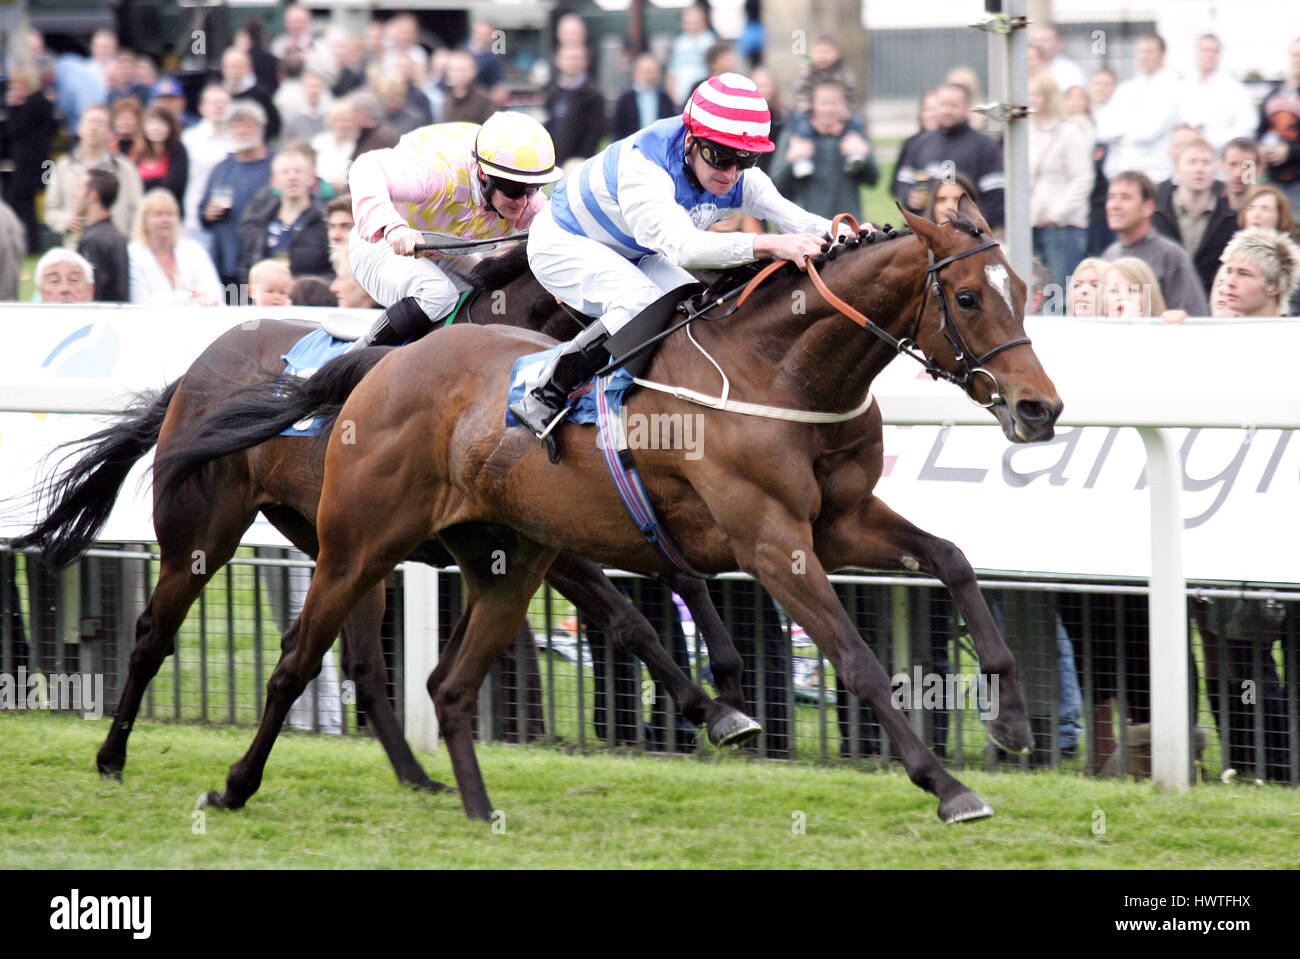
495, 607
724, 659
190, 558
587, 587
363, 663
878, 538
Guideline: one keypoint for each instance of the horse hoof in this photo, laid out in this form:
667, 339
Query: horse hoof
733, 730
110, 768
963, 807
216, 800
430, 785
1014, 737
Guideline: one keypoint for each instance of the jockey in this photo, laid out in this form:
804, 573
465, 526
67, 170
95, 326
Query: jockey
457, 179
621, 231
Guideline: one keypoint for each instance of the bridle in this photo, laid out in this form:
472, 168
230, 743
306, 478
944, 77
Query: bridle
970, 368
950, 331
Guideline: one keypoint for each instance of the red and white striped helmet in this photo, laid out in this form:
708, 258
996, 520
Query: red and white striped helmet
729, 110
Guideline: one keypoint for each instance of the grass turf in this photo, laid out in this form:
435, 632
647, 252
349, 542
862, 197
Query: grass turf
333, 803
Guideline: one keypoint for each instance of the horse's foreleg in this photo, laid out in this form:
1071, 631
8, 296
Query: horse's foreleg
363, 663
587, 587
780, 554
878, 538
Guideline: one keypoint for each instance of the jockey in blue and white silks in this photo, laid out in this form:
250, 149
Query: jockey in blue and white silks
622, 230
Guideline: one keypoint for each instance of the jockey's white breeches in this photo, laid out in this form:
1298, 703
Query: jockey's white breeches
387, 277
595, 280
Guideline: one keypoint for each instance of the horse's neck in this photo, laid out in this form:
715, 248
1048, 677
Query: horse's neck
524, 303
829, 359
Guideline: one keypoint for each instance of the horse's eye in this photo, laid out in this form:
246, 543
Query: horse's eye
967, 300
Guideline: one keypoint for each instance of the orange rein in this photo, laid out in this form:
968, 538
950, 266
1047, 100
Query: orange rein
822, 288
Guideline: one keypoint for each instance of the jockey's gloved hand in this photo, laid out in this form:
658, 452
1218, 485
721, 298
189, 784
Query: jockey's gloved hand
403, 240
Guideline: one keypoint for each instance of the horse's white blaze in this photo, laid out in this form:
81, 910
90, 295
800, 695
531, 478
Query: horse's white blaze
1000, 281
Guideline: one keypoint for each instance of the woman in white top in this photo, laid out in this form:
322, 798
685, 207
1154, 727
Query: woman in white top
335, 144
1060, 181
165, 267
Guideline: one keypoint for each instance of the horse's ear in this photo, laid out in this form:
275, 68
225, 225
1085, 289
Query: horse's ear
969, 209
928, 231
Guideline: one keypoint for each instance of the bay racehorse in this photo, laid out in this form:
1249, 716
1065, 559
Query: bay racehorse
281, 476
784, 501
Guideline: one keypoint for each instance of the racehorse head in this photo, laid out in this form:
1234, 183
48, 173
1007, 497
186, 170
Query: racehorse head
972, 325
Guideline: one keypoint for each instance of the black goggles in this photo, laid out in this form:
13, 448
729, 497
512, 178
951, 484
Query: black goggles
511, 189
724, 158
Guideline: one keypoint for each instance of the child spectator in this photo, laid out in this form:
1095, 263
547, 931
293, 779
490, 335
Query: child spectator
269, 284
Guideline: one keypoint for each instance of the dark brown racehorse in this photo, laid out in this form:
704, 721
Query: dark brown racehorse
783, 501
281, 477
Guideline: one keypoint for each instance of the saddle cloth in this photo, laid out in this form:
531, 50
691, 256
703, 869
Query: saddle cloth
527, 373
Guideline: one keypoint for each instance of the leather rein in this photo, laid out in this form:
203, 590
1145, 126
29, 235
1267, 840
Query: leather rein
970, 368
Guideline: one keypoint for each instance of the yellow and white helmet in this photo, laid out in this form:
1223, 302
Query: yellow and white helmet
513, 146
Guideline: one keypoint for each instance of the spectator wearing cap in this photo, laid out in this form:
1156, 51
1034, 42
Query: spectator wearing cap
238, 79
233, 183
374, 133
644, 101
1130, 205
1218, 107
170, 95
1192, 210
575, 108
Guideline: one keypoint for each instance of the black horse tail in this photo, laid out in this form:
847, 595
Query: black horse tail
258, 413
82, 496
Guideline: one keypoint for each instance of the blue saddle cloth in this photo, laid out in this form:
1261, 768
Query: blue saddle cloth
305, 357
527, 371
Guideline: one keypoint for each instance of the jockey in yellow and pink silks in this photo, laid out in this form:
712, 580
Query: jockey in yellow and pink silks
456, 179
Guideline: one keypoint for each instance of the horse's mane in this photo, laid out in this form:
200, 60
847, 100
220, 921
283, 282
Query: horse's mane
496, 272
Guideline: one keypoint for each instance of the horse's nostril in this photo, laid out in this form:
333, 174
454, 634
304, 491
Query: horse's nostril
1033, 412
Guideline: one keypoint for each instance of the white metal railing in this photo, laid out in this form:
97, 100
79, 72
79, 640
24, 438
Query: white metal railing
1153, 377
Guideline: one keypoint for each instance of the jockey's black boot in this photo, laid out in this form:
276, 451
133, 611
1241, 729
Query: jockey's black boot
571, 367
403, 322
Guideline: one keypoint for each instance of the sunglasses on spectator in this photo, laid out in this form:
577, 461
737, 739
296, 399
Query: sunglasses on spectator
724, 158
512, 190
